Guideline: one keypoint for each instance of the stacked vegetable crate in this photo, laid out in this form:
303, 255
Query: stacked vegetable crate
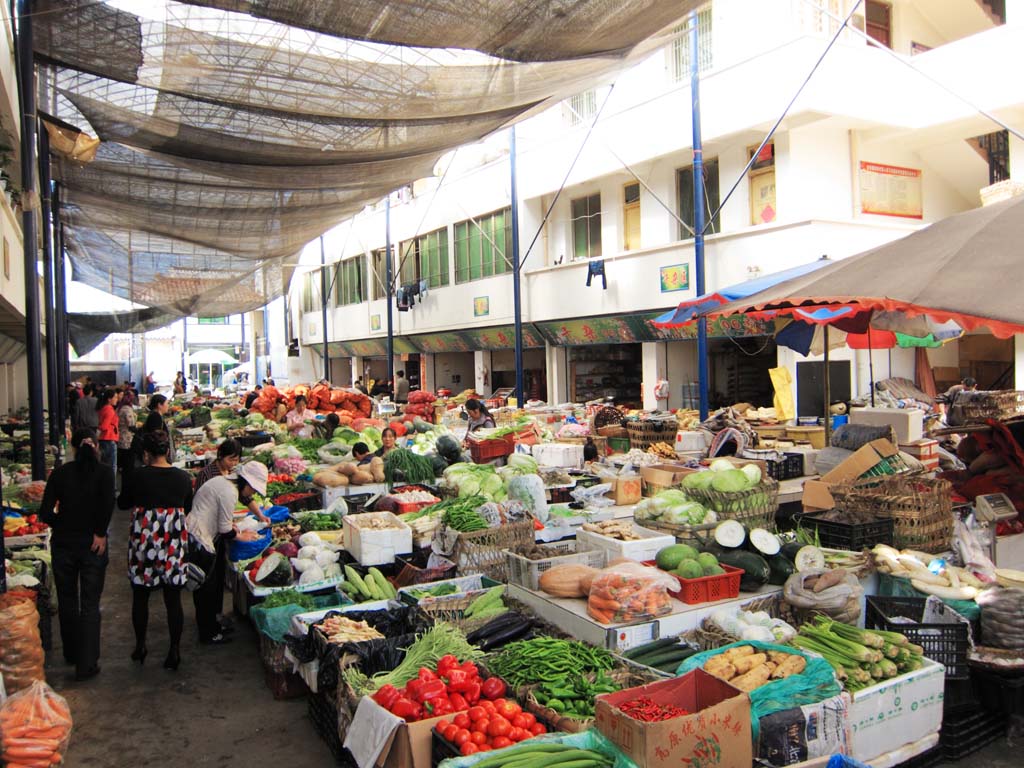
852, 537
526, 572
484, 551
946, 643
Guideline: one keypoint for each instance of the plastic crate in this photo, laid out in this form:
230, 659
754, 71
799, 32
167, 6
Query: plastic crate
526, 572
441, 749
1000, 692
618, 444
706, 589
852, 537
948, 644
360, 502
786, 468
966, 734
323, 713
960, 696
305, 503
482, 451
252, 440
644, 548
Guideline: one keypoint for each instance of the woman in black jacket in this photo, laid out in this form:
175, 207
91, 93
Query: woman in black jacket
77, 504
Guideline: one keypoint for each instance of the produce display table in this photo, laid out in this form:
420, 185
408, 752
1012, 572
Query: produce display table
570, 614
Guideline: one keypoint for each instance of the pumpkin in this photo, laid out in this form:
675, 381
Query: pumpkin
566, 580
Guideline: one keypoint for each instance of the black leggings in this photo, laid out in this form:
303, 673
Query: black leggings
140, 612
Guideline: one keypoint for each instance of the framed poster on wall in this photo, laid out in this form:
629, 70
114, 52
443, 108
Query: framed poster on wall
890, 190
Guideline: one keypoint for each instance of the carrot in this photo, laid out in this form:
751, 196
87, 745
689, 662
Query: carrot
603, 616
51, 744
602, 603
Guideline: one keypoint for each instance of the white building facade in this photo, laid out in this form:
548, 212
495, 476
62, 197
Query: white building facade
875, 146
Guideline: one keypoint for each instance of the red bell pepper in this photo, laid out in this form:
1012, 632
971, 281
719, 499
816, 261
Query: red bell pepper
387, 696
405, 709
441, 705
427, 675
445, 664
414, 687
472, 692
458, 701
458, 680
470, 669
431, 690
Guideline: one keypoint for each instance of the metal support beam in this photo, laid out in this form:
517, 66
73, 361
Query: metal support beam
53, 390
388, 277
698, 211
60, 289
27, 100
323, 308
517, 298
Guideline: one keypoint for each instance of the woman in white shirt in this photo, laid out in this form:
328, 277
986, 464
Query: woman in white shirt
211, 524
296, 419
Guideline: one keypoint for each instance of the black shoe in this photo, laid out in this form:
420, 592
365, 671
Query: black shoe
173, 659
218, 639
226, 629
225, 621
139, 654
88, 674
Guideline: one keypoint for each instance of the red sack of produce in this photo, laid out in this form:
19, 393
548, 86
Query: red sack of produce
420, 410
339, 396
344, 418
35, 725
320, 397
360, 424
399, 428
421, 396
21, 650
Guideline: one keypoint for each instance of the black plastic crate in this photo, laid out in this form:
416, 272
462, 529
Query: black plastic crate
947, 644
324, 715
360, 502
1000, 692
928, 759
308, 501
253, 439
789, 466
852, 537
441, 749
965, 734
960, 696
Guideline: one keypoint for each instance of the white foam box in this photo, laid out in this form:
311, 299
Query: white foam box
645, 548
896, 712
908, 422
376, 546
559, 455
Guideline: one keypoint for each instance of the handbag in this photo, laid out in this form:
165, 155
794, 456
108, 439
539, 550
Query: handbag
199, 565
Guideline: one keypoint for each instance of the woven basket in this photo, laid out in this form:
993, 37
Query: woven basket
644, 434
607, 416
272, 655
978, 407
694, 535
922, 508
707, 636
484, 551
755, 507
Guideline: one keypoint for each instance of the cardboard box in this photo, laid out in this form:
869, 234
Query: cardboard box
908, 422
662, 476
921, 449
895, 712
409, 744
718, 728
805, 733
817, 496
627, 490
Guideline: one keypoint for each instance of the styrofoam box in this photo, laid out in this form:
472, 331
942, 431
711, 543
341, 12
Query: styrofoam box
376, 546
908, 422
559, 455
646, 548
899, 711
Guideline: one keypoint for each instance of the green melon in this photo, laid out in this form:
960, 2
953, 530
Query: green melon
668, 559
706, 560
689, 569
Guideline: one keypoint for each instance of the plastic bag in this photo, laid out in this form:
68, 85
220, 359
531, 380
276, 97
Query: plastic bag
630, 592
529, 489
246, 550
594, 496
334, 452
36, 726
21, 650
286, 452
816, 683
840, 602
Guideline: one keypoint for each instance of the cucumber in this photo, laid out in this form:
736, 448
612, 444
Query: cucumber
644, 650
353, 577
781, 569
657, 660
756, 571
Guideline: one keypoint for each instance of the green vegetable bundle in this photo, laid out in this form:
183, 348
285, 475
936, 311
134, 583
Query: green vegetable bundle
308, 447
546, 658
289, 597
403, 464
461, 514
860, 657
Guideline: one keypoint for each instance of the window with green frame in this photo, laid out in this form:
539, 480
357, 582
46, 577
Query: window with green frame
586, 227
483, 246
350, 281
310, 292
378, 275
426, 258
213, 321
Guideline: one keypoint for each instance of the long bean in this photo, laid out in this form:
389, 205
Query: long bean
546, 658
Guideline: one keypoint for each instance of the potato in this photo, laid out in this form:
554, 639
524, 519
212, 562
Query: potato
739, 651
720, 667
755, 678
744, 664
328, 479
377, 461
794, 665
378, 474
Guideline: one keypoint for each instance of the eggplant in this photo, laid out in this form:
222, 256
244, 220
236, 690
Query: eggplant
506, 635
494, 625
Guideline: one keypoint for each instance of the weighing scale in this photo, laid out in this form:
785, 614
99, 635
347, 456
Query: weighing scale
385, 407
989, 510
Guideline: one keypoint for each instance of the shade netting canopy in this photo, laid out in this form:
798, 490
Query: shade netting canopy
234, 132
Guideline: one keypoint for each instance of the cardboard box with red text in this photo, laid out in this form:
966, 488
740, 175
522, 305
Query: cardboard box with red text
816, 492
716, 733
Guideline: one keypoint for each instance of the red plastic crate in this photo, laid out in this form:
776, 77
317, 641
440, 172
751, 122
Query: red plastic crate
707, 589
483, 451
413, 506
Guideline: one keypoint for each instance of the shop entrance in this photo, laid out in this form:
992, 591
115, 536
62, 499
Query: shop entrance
503, 372
598, 371
738, 370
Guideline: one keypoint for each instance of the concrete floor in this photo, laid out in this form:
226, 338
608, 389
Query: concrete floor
215, 710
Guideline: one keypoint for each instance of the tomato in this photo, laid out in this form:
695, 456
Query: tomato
518, 734
476, 713
478, 738
440, 726
499, 727
482, 725
485, 747
519, 721
501, 742
537, 729
493, 688
468, 748
529, 718
488, 707
461, 737
507, 709
461, 720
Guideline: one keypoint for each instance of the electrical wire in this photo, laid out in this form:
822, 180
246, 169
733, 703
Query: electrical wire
782, 117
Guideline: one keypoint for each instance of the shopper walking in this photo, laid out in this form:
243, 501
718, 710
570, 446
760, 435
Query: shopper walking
159, 404
127, 424
160, 496
77, 505
401, 388
211, 525
109, 434
84, 414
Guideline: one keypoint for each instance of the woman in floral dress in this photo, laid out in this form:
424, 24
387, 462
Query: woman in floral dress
160, 496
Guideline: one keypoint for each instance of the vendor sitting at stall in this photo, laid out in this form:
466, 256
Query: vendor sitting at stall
229, 454
298, 419
968, 384
253, 396
387, 438
479, 416
361, 453
325, 429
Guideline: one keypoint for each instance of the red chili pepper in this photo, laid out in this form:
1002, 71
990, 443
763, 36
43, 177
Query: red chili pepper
649, 711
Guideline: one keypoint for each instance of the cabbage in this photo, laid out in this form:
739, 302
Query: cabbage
646, 510
730, 481
492, 484
311, 574
761, 634
673, 496
721, 465
526, 465
753, 473
699, 481
469, 487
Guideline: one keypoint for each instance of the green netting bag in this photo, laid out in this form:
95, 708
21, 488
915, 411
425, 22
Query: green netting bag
275, 623
591, 739
816, 683
893, 586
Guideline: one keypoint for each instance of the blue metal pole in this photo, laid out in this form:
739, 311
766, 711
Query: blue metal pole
389, 288
698, 212
323, 308
516, 281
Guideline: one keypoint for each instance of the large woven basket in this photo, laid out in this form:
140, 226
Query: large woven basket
978, 407
755, 508
484, 551
921, 507
644, 434
694, 535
